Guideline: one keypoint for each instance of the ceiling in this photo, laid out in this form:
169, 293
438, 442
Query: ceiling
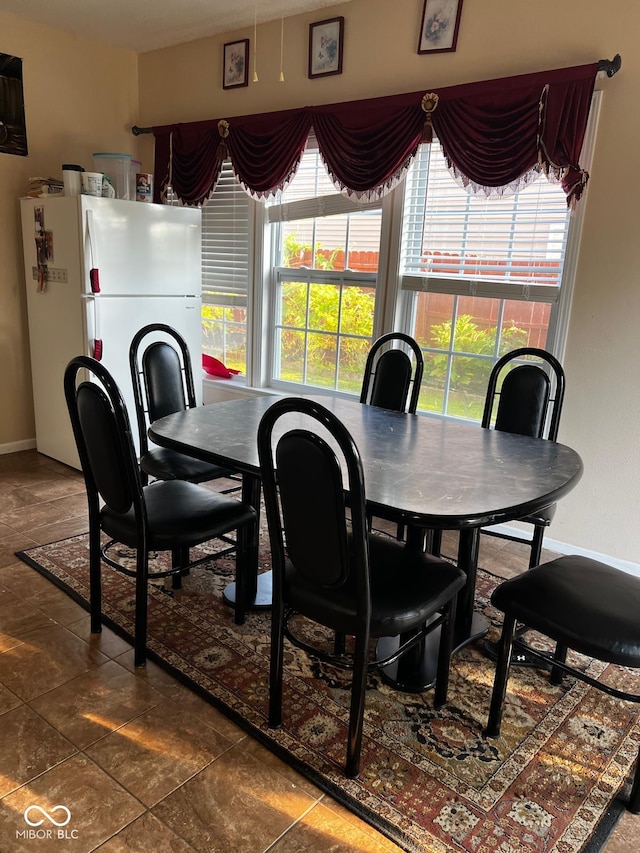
142, 25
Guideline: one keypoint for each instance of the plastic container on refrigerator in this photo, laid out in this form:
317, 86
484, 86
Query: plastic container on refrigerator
117, 167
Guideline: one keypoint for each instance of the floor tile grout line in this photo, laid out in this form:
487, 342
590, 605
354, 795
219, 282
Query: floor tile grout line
291, 826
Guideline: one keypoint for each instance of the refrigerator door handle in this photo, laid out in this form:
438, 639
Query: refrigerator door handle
94, 272
92, 320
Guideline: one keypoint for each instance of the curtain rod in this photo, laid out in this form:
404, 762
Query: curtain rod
609, 66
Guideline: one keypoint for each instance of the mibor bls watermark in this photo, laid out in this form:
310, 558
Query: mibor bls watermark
47, 824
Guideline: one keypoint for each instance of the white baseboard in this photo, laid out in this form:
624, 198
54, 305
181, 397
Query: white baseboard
17, 446
565, 548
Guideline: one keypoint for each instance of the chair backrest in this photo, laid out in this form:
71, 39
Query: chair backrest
304, 494
529, 395
162, 378
389, 374
103, 437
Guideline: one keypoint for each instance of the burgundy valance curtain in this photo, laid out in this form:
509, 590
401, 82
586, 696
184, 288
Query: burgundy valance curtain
494, 134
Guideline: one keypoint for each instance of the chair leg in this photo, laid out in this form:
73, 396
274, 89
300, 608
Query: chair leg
634, 799
356, 714
560, 655
501, 677
339, 644
95, 580
241, 580
536, 545
277, 663
179, 557
246, 561
535, 556
436, 543
140, 636
444, 655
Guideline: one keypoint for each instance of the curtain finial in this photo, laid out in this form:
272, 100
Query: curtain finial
222, 151
429, 104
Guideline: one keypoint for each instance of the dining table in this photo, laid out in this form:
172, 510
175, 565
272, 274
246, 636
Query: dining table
423, 471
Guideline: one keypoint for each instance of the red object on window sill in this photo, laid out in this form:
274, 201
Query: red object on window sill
214, 367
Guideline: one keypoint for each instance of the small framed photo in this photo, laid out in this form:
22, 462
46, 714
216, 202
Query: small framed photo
235, 68
325, 47
440, 24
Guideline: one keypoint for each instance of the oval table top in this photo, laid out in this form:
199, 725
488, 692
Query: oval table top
419, 469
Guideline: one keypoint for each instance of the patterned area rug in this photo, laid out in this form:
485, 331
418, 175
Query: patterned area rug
429, 780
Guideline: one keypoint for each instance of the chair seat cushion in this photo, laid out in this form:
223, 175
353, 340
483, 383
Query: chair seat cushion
407, 588
584, 604
179, 514
161, 463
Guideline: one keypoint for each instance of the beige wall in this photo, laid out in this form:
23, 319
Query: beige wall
80, 97
497, 38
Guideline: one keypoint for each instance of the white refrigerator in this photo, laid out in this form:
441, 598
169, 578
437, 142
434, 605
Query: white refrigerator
97, 270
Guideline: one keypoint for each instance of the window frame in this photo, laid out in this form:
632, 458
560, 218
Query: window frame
278, 213
559, 297
242, 260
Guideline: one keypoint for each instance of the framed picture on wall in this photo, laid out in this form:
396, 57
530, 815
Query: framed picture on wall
325, 47
440, 24
235, 68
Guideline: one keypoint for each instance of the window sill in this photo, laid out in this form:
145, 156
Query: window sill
217, 390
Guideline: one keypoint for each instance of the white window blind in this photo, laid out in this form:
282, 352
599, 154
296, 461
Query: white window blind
227, 228
510, 246
308, 208
311, 193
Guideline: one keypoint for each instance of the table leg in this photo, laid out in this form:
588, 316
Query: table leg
416, 670
468, 548
249, 586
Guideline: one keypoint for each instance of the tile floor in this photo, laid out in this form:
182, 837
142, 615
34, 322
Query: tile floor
141, 762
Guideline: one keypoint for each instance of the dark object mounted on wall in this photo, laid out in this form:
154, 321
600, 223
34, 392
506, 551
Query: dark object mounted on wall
13, 127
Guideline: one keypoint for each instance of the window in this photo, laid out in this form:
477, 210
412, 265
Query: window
326, 250
480, 276
469, 277
227, 269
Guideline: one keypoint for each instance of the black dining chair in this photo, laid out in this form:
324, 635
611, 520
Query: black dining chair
333, 571
526, 397
582, 605
390, 373
172, 515
162, 379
